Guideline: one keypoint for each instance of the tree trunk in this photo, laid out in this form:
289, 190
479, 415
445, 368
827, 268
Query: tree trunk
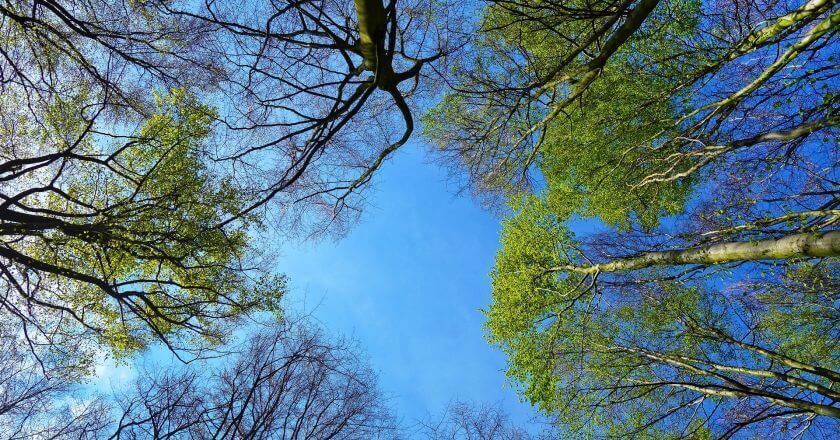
811, 244
372, 21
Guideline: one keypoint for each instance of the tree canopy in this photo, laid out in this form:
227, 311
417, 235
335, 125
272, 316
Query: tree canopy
287, 380
146, 146
667, 170
682, 162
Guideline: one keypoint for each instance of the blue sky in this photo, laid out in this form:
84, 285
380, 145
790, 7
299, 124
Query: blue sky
407, 282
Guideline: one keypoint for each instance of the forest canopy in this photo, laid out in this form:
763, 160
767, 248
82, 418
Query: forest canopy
673, 272
666, 173
147, 146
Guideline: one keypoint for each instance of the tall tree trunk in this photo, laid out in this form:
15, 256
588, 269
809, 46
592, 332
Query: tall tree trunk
811, 244
372, 21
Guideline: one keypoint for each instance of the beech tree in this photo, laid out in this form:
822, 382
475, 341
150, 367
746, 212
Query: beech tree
676, 152
288, 382
626, 81
146, 146
126, 245
652, 109
463, 420
667, 355
37, 391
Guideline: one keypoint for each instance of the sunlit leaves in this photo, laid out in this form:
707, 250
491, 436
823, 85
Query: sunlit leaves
596, 153
151, 244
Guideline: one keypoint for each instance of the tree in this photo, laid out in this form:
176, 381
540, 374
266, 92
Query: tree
656, 87
288, 381
673, 116
462, 420
663, 353
37, 399
701, 141
146, 146
127, 245
322, 89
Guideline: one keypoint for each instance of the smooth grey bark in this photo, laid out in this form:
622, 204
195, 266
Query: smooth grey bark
809, 244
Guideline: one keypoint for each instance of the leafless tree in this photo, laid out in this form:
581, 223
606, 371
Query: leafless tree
37, 392
289, 382
462, 420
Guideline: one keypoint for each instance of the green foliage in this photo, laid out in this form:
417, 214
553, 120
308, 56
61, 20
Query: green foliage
155, 234
597, 152
523, 318
629, 142
592, 154
799, 312
579, 354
